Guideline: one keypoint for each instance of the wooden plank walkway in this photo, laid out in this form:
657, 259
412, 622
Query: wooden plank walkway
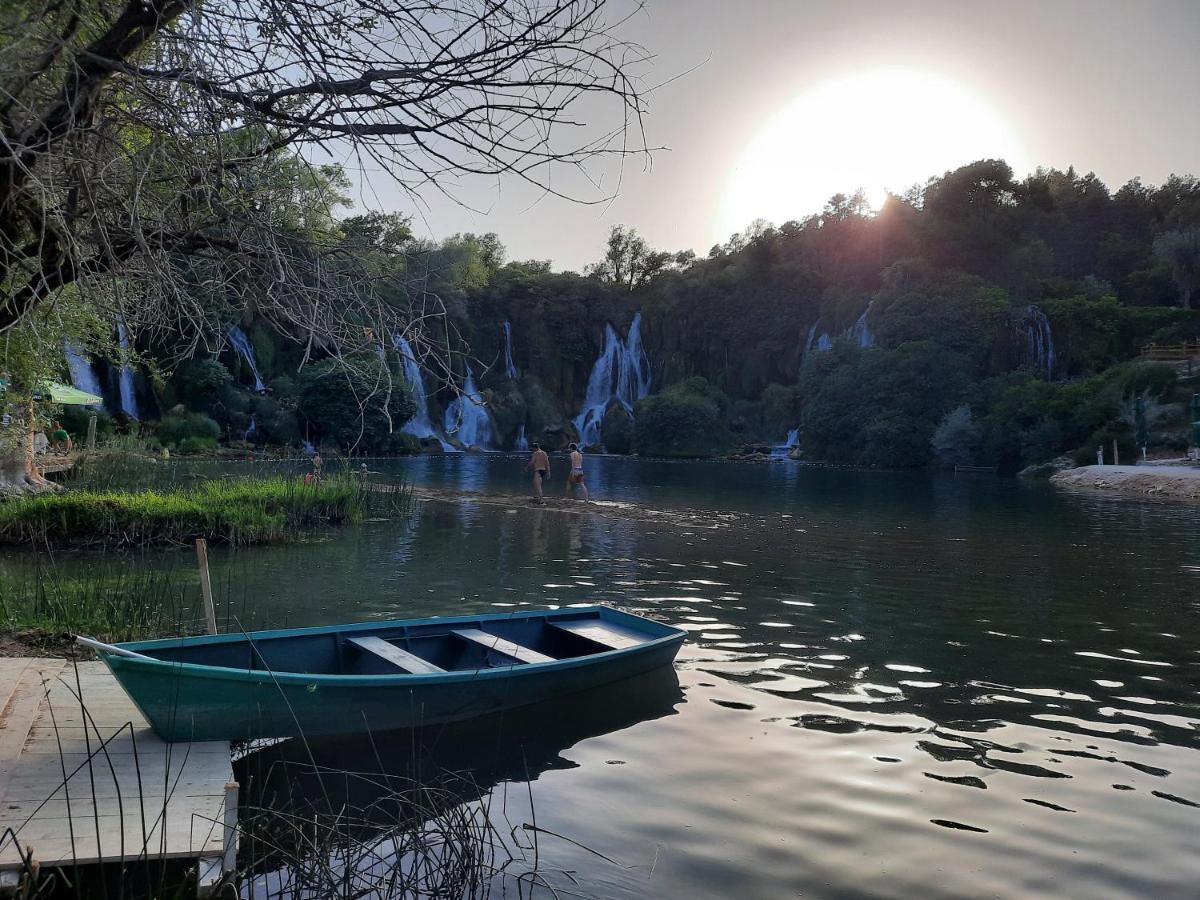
86, 783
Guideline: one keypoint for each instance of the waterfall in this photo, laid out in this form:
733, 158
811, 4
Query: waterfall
521, 443
251, 429
791, 442
510, 370
467, 416
307, 447
128, 395
420, 425
1039, 340
860, 332
83, 376
622, 373
812, 333
245, 350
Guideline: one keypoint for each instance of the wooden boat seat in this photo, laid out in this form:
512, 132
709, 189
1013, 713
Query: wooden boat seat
401, 659
500, 645
604, 633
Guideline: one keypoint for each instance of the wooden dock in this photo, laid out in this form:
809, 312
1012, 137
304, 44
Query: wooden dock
89, 782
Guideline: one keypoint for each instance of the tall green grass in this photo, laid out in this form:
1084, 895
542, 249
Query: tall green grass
230, 510
114, 601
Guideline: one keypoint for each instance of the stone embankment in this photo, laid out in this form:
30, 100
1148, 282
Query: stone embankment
1156, 482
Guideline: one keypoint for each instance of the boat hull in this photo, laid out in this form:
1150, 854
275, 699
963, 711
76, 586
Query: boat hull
187, 702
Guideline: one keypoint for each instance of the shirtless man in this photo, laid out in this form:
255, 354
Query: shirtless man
540, 463
575, 479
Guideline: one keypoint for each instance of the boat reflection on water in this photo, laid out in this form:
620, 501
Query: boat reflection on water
376, 775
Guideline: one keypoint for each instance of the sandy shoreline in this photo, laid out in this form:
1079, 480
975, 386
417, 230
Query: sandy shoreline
1141, 482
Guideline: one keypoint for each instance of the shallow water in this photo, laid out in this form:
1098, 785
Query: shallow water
894, 685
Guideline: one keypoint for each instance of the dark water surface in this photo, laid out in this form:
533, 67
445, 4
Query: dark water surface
896, 685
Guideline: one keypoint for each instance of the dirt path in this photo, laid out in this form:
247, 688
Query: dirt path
1141, 482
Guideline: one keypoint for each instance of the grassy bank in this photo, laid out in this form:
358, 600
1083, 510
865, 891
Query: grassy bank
235, 511
118, 599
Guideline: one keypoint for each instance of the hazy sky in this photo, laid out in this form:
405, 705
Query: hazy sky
1106, 85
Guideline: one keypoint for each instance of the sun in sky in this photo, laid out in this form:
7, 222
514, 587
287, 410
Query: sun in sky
881, 130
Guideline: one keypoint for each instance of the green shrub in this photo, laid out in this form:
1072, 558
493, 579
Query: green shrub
237, 511
404, 443
197, 445
685, 420
177, 428
617, 429
346, 406
75, 420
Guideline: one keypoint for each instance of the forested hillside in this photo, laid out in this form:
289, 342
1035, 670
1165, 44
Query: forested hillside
978, 320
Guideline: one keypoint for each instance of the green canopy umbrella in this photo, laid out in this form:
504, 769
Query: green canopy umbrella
69, 396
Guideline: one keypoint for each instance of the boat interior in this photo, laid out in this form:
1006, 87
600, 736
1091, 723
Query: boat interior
421, 648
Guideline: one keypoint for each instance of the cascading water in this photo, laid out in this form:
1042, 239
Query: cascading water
419, 426
251, 429
128, 394
510, 370
467, 417
83, 376
812, 333
521, 443
621, 374
241, 343
860, 332
1038, 348
790, 443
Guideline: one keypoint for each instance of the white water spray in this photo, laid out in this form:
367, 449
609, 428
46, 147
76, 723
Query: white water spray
510, 370
83, 376
241, 344
467, 416
128, 393
621, 374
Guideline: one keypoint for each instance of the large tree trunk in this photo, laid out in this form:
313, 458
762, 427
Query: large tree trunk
18, 468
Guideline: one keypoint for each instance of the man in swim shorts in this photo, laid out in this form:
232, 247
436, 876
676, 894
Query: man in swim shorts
540, 463
575, 479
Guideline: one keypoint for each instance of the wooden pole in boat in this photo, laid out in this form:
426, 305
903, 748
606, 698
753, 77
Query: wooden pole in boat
210, 613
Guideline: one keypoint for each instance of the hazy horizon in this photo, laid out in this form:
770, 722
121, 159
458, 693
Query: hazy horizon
1100, 86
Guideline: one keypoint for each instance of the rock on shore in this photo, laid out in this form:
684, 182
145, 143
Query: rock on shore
1166, 482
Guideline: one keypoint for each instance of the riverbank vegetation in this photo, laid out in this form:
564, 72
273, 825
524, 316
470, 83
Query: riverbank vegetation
1010, 315
43, 604
227, 510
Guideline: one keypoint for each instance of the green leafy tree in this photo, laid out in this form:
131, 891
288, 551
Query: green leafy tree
1180, 251
357, 413
685, 420
955, 442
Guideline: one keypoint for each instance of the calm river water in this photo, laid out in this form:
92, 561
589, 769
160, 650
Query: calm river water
896, 685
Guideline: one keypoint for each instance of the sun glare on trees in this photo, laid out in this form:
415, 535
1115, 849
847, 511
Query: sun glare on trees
882, 131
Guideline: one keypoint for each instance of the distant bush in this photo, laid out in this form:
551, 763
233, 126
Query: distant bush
197, 445
879, 407
405, 443
617, 429
75, 420
348, 406
956, 440
178, 427
685, 420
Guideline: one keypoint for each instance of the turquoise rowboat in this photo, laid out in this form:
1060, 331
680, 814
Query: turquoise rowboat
379, 676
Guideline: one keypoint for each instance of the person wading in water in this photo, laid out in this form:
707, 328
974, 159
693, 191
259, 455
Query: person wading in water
540, 463
575, 479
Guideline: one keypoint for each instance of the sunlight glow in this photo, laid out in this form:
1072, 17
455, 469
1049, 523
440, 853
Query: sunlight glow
882, 130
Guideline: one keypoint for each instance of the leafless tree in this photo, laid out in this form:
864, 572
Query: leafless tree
136, 136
